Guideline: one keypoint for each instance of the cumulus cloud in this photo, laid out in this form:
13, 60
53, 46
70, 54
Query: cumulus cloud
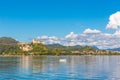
114, 21
117, 33
49, 39
88, 31
71, 35
91, 37
101, 40
43, 37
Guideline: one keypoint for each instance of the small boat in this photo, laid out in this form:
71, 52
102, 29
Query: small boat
62, 60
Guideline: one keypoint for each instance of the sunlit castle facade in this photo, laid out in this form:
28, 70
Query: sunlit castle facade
27, 46
35, 41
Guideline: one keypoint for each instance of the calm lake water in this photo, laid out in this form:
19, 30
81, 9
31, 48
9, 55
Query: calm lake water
51, 68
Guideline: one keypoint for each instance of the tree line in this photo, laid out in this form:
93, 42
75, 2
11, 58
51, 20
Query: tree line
10, 46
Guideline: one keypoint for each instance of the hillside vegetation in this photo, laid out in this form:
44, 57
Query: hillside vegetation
9, 46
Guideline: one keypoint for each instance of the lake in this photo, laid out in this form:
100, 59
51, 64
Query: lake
60, 68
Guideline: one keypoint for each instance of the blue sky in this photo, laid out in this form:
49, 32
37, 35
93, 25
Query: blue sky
27, 19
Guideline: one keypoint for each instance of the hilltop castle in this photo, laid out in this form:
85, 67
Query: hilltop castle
35, 41
27, 46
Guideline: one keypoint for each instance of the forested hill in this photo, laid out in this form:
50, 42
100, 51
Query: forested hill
7, 40
71, 48
9, 46
115, 49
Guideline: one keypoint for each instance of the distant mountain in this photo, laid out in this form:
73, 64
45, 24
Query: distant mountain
114, 49
71, 48
7, 40
95, 47
77, 45
55, 45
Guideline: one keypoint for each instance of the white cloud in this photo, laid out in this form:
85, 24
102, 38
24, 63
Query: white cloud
49, 40
71, 35
88, 31
91, 37
117, 33
101, 40
43, 37
114, 21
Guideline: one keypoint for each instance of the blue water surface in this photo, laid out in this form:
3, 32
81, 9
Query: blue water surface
51, 68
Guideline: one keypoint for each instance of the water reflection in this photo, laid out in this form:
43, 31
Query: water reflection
49, 67
25, 64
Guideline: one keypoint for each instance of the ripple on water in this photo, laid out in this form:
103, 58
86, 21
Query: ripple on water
49, 68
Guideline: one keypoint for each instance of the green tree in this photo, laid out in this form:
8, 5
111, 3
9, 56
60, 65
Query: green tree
39, 49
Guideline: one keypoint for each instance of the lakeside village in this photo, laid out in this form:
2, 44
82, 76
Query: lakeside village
37, 47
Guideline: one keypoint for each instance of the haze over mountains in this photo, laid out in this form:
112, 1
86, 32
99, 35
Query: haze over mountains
91, 37
9, 40
101, 40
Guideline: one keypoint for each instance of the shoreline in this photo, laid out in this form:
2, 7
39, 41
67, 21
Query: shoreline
62, 55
